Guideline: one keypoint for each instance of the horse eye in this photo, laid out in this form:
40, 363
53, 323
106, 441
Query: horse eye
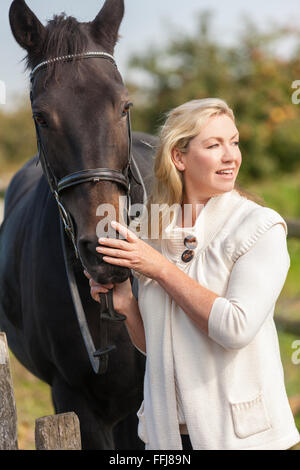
40, 120
126, 108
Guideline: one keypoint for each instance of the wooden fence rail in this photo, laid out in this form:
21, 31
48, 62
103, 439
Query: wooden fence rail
56, 432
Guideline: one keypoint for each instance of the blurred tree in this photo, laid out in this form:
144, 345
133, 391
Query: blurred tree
251, 76
17, 136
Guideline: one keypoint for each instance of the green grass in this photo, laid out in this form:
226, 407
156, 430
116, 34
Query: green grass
291, 370
292, 288
33, 400
281, 193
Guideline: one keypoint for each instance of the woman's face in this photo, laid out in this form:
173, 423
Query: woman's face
215, 148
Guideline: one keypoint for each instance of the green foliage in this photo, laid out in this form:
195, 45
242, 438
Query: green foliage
251, 76
282, 194
17, 136
291, 287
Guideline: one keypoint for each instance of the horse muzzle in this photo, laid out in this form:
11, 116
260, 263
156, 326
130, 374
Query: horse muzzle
101, 271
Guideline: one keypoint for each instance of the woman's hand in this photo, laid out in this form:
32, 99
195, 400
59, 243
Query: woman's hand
132, 253
122, 293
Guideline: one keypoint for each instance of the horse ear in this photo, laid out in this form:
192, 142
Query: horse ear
26, 28
105, 26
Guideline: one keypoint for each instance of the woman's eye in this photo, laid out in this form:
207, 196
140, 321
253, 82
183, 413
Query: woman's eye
126, 108
212, 146
215, 145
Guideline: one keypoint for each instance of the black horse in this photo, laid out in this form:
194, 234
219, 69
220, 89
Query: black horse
80, 108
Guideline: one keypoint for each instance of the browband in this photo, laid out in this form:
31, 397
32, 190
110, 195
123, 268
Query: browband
66, 58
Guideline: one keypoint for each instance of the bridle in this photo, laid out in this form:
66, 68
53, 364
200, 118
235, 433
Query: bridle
57, 186
98, 358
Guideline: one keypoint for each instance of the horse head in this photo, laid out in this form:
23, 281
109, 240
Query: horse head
80, 108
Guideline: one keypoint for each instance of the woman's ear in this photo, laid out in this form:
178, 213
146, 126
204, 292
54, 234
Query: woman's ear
178, 159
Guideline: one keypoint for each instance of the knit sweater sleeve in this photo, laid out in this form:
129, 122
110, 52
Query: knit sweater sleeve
255, 283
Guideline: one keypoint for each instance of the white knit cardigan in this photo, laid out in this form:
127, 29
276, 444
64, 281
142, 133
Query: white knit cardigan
231, 382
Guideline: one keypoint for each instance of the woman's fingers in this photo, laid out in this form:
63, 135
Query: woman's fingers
126, 263
127, 234
97, 289
95, 285
115, 243
111, 252
116, 248
95, 294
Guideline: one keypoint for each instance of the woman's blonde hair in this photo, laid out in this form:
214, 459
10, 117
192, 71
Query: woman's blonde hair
183, 123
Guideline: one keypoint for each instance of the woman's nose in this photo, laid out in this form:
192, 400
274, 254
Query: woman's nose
228, 153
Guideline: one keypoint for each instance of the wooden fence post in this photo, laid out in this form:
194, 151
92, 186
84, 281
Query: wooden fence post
8, 413
58, 432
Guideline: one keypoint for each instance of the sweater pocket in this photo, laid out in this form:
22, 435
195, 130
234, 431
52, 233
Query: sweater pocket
250, 417
142, 430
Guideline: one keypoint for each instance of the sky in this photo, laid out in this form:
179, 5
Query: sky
146, 23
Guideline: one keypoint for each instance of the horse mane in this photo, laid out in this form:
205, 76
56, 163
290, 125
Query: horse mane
64, 37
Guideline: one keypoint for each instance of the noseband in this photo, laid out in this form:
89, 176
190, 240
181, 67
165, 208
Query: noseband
98, 358
57, 186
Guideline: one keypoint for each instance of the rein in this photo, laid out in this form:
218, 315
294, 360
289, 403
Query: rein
98, 358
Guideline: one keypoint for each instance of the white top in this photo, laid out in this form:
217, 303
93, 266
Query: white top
247, 283
227, 387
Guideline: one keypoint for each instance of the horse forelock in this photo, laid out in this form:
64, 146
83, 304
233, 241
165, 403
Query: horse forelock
65, 36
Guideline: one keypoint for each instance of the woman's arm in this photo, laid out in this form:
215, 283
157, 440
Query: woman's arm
194, 299
134, 253
135, 326
255, 283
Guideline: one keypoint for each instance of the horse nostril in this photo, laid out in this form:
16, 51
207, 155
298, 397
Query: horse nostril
87, 249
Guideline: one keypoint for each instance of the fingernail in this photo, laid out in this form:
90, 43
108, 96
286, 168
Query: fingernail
113, 223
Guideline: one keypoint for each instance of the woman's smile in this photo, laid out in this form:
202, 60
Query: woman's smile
228, 175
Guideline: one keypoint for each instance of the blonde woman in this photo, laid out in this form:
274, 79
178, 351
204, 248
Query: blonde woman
209, 279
